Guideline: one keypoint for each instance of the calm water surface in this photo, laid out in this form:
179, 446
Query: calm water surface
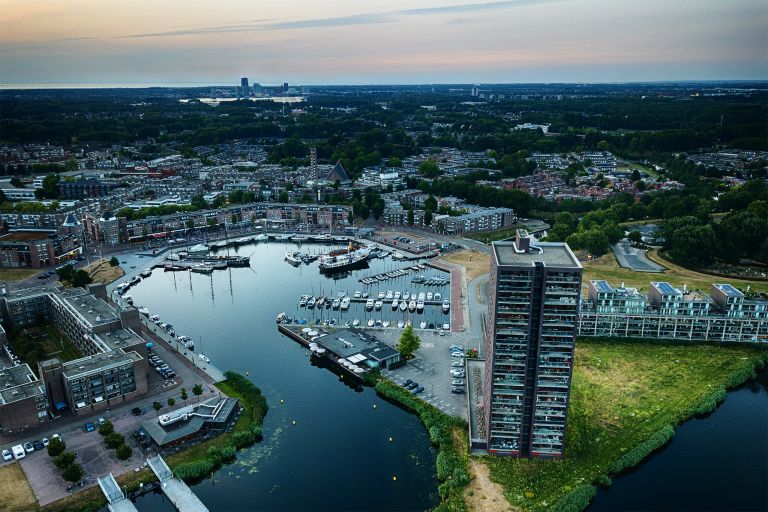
338, 455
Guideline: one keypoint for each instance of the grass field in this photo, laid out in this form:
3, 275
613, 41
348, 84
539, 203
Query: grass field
101, 271
623, 394
606, 267
42, 342
15, 493
476, 263
17, 274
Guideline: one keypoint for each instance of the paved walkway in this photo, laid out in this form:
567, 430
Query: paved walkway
458, 292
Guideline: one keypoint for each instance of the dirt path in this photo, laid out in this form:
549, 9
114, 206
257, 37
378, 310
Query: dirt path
483, 495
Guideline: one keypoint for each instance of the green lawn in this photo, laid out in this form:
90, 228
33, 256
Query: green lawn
41, 342
623, 394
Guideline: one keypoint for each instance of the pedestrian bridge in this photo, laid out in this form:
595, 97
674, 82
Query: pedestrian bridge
177, 491
117, 502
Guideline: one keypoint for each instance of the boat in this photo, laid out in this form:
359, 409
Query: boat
377, 305
395, 304
386, 323
382, 295
260, 238
154, 318
203, 269
446, 306
429, 295
203, 357
422, 296
420, 305
294, 258
328, 302
437, 297
389, 295
336, 303
144, 311
311, 303
146, 273
397, 295
369, 304
345, 303
281, 317
446, 327
406, 295
357, 294
412, 305
128, 299
347, 323
403, 305
356, 322
370, 322
408, 323
344, 259
423, 325
400, 324
320, 302
365, 295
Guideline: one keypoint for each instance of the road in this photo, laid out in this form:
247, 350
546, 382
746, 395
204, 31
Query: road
634, 258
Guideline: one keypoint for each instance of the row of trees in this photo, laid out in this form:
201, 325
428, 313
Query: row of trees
71, 471
115, 441
74, 278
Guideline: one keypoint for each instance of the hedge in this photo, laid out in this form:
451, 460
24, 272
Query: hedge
638, 453
576, 500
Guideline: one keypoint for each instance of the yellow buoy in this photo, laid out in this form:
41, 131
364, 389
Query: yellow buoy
394, 478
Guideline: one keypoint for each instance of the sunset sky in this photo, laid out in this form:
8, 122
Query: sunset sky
375, 41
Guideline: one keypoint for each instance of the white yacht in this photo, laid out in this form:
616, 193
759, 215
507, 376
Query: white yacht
437, 297
382, 295
356, 322
422, 296
389, 295
345, 303
412, 305
358, 294
429, 295
386, 323
403, 305
397, 295
370, 322
446, 327
423, 325
406, 295
446, 306
369, 304
395, 304
400, 324
203, 357
377, 305
420, 305
144, 311
336, 303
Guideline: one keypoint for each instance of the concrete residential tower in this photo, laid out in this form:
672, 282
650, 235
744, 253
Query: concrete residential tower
534, 292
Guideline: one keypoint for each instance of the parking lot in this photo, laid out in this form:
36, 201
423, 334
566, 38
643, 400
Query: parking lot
431, 369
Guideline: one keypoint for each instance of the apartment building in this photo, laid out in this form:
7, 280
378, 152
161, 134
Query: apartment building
671, 301
607, 299
481, 219
529, 343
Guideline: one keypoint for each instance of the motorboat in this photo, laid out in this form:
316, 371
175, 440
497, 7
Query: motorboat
403, 305
281, 317
429, 295
357, 294
400, 324
446, 327
438, 297
356, 322
420, 305
345, 303
412, 305
382, 295
144, 311
344, 259
336, 303
389, 295
377, 305
328, 302
294, 258
385, 323
154, 318
423, 325
378, 323
203, 357
398, 295
320, 302
446, 306
422, 296
347, 323
369, 304
406, 295
311, 303
365, 295
303, 301
395, 304
370, 322
146, 273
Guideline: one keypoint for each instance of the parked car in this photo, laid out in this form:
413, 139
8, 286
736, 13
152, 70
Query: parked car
89, 427
457, 382
46, 441
413, 385
7, 455
56, 436
18, 452
418, 390
29, 447
407, 382
457, 391
137, 411
101, 421
457, 354
457, 373
38, 445
457, 364
457, 347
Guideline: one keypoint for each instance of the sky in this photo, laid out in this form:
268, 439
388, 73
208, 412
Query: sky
381, 41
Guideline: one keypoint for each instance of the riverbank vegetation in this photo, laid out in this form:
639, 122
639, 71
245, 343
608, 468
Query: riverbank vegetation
448, 434
626, 399
195, 462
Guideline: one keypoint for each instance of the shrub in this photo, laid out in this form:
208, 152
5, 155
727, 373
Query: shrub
123, 452
196, 469
641, 451
576, 500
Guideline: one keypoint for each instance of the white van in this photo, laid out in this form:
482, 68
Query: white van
18, 452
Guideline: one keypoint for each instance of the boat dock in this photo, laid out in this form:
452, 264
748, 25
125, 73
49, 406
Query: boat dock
177, 491
116, 499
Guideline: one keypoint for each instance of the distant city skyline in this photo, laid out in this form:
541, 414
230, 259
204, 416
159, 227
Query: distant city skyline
381, 42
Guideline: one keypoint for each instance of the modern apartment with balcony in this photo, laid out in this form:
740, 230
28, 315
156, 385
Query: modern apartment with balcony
532, 316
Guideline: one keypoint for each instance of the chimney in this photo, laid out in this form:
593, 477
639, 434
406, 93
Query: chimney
522, 240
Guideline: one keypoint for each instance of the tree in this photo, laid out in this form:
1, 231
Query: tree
123, 452
184, 395
234, 218
635, 237
66, 272
106, 428
430, 203
410, 216
283, 197
429, 169
72, 473
197, 390
50, 188
409, 342
56, 447
64, 459
113, 262
114, 440
428, 218
81, 278
157, 406
171, 402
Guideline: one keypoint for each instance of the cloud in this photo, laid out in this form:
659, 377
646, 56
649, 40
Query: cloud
340, 21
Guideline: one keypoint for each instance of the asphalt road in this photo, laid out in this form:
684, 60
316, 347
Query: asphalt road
634, 258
